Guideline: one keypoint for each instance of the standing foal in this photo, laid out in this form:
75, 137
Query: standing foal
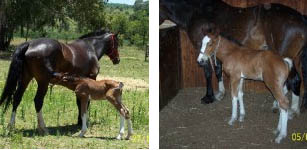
243, 63
86, 89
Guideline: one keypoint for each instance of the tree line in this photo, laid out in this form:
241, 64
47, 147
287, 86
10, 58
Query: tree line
71, 18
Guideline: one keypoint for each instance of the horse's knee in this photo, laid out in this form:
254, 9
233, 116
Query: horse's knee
284, 104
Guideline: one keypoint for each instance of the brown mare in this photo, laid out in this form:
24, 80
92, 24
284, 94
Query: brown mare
87, 89
279, 29
42, 59
241, 63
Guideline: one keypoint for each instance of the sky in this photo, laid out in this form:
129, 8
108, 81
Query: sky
129, 2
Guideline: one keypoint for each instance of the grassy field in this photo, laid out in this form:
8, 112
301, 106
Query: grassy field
60, 111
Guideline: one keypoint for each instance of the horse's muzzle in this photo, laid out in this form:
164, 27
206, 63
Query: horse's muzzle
116, 61
201, 63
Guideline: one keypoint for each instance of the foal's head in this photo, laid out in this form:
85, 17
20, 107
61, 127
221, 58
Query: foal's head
208, 46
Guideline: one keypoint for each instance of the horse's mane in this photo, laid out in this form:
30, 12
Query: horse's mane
95, 33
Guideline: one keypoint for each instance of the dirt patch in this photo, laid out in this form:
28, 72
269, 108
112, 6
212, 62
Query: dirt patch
186, 123
129, 83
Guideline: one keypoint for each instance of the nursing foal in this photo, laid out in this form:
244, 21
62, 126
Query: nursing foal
243, 63
86, 89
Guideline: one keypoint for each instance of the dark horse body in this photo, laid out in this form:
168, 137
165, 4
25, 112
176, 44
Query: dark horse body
43, 59
278, 28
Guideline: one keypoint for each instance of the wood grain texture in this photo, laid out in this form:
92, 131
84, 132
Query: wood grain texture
298, 5
170, 64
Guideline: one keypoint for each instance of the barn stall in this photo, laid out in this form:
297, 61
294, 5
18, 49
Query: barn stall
185, 123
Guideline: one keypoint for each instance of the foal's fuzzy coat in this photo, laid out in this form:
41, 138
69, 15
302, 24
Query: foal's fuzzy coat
86, 89
243, 63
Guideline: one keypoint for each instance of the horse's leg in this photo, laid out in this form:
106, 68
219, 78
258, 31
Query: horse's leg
130, 130
79, 110
240, 96
283, 126
277, 130
219, 75
84, 102
234, 81
39, 100
124, 113
294, 83
209, 98
304, 76
22, 85
275, 106
283, 102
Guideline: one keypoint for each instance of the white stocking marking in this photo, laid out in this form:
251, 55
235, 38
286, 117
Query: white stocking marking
283, 129
234, 110
13, 116
295, 103
130, 130
84, 127
240, 95
121, 128
219, 96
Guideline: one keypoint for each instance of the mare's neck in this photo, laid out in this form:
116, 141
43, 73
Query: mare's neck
224, 48
99, 45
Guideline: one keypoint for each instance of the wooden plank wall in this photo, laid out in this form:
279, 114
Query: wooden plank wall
299, 5
169, 65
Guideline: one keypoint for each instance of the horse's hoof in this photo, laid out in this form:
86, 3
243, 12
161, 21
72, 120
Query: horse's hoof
292, 113
231, 121
241, 119
43, 132
81, 136
128, 136
275, 110
276, 131
219, 96
11, 126
119, 137
207, 99
279, 138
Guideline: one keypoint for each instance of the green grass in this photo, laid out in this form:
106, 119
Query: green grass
60, 112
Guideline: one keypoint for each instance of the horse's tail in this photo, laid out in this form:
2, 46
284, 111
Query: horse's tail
119, 86
289, 62
14, 74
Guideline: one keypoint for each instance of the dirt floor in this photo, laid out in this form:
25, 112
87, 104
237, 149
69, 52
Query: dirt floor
186, 123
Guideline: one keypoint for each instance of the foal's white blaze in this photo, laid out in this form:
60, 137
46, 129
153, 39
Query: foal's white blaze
121, 128
283, 129
84, 127
234, 110
202, 56
12, 122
